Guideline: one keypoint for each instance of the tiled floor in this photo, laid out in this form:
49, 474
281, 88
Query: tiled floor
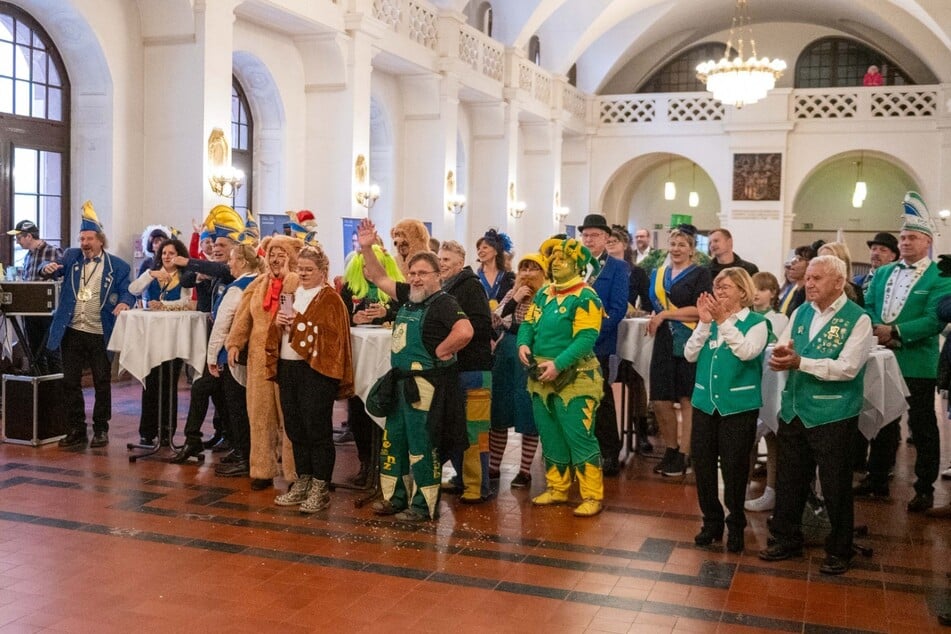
92, 543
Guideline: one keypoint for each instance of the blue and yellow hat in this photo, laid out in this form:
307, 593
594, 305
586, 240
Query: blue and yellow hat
224, 222
90, 222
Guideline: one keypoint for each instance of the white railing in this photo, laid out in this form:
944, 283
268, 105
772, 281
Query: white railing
413, 19
534, 80
573, 101
865, 103
858, 103
481, 53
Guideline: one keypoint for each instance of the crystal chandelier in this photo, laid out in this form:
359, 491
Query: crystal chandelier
740, 81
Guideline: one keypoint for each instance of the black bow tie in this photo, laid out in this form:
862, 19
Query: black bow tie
96, 259
902, 265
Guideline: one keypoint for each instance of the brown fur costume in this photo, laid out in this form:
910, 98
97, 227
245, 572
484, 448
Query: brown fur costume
251, 327
414, 233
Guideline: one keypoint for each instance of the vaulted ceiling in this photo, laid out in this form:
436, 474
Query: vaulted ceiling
602, 36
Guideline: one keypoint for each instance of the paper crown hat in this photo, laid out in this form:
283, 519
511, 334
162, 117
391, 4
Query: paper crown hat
90, 222
572, 249
916, 216
224, 222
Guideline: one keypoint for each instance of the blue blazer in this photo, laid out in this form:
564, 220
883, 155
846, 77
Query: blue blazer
114, 290
613, 287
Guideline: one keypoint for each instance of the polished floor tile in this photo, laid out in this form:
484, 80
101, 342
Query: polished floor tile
91, 542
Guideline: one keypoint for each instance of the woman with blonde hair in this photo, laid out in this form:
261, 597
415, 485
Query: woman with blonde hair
674, 290
727, 345
841, 251
314, 368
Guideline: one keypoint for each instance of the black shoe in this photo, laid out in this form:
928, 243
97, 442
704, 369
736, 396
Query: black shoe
344, 437
644, 446
610, 467
259, 484
99, 439
669, 456
779, 552
212, 442
191, 449
708, 535
233, 457
384, 507
74, 438
834, 565
944, 618
735, 542
866, 488
148, 442
362, 476
223, 445
678, 466
233, 470
921, 503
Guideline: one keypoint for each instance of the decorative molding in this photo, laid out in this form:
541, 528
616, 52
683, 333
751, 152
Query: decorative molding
754, 214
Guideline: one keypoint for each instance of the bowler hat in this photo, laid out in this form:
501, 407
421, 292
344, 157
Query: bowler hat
886, 240
595, 221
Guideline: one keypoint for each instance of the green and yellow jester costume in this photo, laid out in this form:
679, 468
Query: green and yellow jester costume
562, 325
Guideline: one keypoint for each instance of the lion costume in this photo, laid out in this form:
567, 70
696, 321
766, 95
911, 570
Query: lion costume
251, 327
409, 237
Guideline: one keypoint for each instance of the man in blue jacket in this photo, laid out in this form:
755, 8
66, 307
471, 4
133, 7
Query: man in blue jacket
611, 285
95, 290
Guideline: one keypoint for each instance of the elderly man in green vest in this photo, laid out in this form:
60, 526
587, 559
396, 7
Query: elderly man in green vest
902, 300
824, 348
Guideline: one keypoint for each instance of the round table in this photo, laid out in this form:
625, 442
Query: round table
370, 346
884, 388
145, 339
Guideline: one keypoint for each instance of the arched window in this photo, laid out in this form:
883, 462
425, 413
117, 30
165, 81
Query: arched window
573, 75
836, 61
535, 50
680, 73
242, 142
34, 131
485, 18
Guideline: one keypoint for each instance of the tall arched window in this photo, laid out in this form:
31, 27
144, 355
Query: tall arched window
837, 61
34, 131
573, 75
535, 50
242, 142
485, 18
680, 73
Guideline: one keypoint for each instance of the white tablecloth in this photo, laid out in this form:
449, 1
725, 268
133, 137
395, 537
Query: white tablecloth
885, 389
884, 397
145, 339
371, 359
634, 346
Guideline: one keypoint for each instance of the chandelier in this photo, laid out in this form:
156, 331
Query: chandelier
740, 81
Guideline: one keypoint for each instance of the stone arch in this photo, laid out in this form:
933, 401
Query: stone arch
633, 195
267, 109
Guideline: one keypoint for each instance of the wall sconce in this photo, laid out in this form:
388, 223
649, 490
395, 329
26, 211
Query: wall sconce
224, 179
454, 202
561, 214
516, 207
367, 196
861, 188
693, 199
670, 190
944, 214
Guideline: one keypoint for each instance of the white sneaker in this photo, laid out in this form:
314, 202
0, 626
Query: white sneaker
765, 502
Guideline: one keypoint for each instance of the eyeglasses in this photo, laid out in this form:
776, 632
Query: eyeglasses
613, 242
413, 274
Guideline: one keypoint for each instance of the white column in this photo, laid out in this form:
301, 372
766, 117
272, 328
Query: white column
187, 94
539, 180
489, 167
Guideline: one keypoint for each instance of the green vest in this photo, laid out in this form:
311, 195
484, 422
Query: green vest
814, 401
725, 383
407, 351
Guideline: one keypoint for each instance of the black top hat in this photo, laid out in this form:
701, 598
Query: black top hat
595, 221
886, 240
